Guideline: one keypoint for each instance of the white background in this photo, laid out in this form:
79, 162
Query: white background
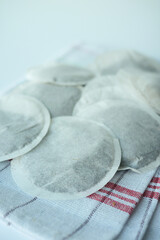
32, 31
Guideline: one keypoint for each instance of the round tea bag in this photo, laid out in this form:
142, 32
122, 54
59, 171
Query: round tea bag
149, 86
137, 128
61, 74
146, 87
100, 82
114, 90
59, 100
24, 121
98, 95
76, 158
112, 62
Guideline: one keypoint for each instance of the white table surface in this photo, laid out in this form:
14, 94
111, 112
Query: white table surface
32, 32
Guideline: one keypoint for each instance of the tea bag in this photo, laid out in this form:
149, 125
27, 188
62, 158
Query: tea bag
60, 74
146, 87
149, 87
112, 62
136, 126
24, 122
97, 96
76, 158
59, 100
100, 82
103, 89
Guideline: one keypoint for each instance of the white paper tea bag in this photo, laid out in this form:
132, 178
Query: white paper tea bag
76, 158
105, 88
112, 62
59, 100
100, 82
24, 122
60, 74
98, 95
149, 87
137, 128
146, 87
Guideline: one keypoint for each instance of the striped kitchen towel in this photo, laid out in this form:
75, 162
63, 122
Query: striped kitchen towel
128, 201
153, 230
101, 215
139, 221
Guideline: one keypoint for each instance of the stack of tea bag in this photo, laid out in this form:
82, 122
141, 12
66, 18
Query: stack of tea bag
73, 132
126, 98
